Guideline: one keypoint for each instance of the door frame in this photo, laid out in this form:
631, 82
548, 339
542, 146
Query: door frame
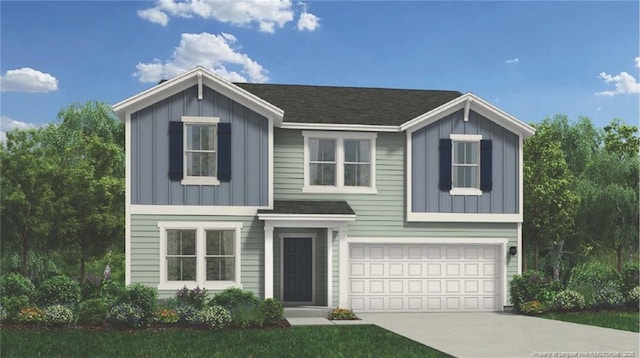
306, 235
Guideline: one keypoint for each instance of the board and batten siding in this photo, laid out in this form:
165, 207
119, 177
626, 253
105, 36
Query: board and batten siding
381, 214
145, 249
150, 184
427, 197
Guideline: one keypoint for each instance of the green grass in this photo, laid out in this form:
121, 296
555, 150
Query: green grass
626, 321
326, 341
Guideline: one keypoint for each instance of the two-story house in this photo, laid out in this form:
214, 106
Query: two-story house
368, 198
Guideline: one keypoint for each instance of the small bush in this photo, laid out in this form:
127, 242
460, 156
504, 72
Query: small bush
196, 297
59, 315
234, 297
532, 307
13, 305
14, 284
112, 291
338, 314
215, 317
127, 315
248, 316
633, 298
30, 315
592, 278
630, 276
93, 311
3, 313
59, 290
533, 286
167, 316
272, 311
569, 300
143, 298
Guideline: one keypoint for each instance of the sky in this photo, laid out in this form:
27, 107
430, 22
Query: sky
531, 59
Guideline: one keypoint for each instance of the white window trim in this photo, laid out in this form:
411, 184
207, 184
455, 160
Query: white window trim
200, 228
190, 180
473, 138
340, 137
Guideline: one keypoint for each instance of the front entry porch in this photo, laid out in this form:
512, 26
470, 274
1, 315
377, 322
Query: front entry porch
301, 251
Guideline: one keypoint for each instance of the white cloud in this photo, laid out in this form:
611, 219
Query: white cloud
213, 52
154, 15
514, 60
308, 22
267, 14
624, 82
8, 124
27, 80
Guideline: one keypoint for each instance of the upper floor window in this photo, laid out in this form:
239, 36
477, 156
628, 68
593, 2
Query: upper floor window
465, 164
339, 162
200, 150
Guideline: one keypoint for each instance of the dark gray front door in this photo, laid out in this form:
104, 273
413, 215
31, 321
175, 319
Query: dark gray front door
297, 271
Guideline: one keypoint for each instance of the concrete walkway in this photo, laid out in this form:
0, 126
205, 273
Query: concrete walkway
506, 335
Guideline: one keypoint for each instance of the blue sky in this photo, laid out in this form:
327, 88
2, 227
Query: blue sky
531, 59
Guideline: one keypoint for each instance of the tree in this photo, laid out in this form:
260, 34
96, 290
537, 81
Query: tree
550, 204
27, 198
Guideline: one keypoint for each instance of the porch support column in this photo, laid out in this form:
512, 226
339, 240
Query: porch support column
329, 267
268, 261
343, 254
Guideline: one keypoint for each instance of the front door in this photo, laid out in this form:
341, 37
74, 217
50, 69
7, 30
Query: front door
297, 271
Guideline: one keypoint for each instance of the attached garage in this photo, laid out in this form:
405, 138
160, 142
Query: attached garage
425, 277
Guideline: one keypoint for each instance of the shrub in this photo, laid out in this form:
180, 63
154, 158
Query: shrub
630, 276
232, 298
341, 314
59, 315
167, 316
13, 305
532, 307
533, 286
93, 311
3, 313
608, 297
246, 316
190, 315
59, 290
591, 278
271, 311
143, 298
215, 317
91, 287
30, 315
633, 298
128, 315
112, 291
196, 297
569, 300
14, 284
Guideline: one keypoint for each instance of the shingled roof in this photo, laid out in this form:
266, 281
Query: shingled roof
349, 105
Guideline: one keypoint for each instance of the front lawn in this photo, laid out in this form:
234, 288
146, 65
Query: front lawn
626, 321
325, 341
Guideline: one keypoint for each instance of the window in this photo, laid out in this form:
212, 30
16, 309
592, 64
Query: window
465, 164
339, 162
199, 254
200, 150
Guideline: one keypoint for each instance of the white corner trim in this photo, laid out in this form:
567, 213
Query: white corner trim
465, 191
465, 137
270, 175
409, 174
127, 206
466, 217
520, 176
520, 249
340, 127
195, 210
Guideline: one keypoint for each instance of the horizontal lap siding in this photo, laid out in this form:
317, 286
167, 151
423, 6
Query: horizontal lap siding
145, 249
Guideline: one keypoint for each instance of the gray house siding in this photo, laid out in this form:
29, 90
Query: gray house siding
427, 197
150, 184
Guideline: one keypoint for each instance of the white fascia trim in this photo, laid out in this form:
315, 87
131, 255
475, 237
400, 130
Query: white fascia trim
127, 195
190, 78
270, 224
338, 135
465, 137
195, 210
306, 217
460, 217
340, 127
428, 240
478, 105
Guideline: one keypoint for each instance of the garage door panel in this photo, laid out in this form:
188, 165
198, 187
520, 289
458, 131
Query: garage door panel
423, 278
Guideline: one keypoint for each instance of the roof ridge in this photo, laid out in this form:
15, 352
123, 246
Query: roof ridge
345, 87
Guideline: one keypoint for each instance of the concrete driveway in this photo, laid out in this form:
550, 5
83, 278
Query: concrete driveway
506, 335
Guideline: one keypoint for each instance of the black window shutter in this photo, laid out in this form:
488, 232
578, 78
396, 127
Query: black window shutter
176, 151
224, 152
486, 170
445, 164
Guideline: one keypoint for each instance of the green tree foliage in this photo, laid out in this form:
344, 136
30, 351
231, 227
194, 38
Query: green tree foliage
550, 204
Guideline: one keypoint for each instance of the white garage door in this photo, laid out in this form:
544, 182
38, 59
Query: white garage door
424, 278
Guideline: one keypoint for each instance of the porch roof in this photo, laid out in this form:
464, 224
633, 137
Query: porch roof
318, 209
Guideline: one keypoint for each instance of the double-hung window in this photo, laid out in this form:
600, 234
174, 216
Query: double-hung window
465, 165
199, 254
200, 150
340, 162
